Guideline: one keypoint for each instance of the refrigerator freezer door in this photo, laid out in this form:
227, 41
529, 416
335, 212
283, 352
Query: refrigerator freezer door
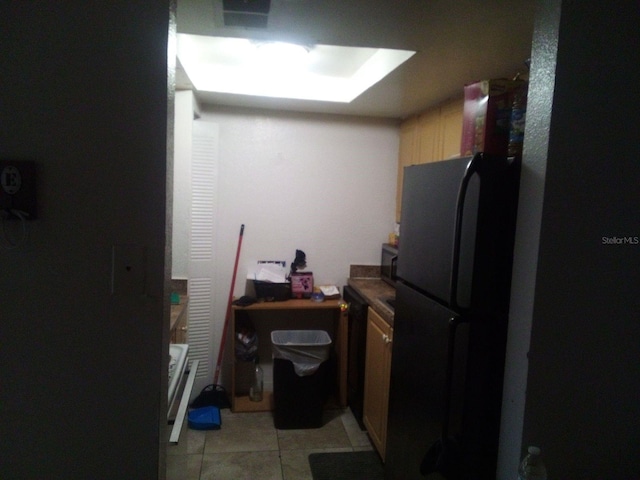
422, 361
427, 229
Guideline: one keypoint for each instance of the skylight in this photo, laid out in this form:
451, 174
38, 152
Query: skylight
274, 69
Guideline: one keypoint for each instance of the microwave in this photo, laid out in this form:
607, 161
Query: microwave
388, 263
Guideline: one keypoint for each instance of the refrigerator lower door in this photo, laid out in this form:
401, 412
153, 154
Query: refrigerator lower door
428, 370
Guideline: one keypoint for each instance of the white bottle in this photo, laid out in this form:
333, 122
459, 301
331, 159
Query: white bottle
532, 467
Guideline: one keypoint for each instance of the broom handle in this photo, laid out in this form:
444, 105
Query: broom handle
228, 314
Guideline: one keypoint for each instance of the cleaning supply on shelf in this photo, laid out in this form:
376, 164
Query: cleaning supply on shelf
175, 298
257, 385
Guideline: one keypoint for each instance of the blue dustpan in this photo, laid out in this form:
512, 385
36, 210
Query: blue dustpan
205, 418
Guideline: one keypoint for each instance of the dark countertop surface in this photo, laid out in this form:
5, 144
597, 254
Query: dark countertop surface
374, 291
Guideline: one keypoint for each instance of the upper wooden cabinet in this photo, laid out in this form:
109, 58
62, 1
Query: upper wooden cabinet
408, 154
450, 129
431, 136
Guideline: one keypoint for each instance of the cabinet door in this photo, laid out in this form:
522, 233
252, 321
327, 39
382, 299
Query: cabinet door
434, 135
407, 155
451, 128
376, 380
429, 136
179, 334
179, 321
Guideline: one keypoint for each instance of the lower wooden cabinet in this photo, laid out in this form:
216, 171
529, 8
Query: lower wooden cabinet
376, 379
179, 321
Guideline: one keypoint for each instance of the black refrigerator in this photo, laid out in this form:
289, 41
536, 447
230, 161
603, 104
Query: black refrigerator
455, 255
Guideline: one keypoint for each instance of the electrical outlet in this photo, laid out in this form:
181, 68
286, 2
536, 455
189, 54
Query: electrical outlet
18, 188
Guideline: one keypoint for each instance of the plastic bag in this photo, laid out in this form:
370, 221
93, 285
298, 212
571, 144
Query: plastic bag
306, 349
246, 341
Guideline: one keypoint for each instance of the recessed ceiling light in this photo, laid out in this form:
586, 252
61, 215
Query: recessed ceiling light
280, 55
276, 69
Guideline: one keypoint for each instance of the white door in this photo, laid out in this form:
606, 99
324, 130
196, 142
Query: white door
202, 287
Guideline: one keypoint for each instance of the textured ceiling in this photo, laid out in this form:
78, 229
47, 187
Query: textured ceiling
458, 42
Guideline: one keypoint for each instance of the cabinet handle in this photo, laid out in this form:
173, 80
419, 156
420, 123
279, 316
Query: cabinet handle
386, 339
184, 329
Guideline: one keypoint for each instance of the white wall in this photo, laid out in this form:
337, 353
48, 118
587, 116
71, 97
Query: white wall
580, 295
583, 383
321, 184
532, 182
84, 370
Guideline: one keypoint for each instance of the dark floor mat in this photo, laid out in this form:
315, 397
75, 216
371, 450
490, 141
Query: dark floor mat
346, 466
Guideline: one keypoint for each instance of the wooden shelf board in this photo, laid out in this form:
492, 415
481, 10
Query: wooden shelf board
293, 304
241, 403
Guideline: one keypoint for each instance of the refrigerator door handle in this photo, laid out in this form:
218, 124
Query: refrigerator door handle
442, 456
471, 169
453, 323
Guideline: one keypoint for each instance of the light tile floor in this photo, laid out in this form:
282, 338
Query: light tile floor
249, 447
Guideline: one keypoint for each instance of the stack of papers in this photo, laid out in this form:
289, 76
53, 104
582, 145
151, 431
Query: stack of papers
268, 271
330, 291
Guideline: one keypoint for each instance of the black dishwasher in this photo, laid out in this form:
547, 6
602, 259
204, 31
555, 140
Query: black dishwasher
357, 345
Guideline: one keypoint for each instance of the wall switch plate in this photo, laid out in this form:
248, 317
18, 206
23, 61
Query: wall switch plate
128, 269
18, 188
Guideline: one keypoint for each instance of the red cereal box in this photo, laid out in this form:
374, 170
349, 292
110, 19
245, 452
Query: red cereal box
487, 112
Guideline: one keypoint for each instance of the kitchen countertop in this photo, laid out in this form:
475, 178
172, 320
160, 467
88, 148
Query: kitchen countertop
374, 291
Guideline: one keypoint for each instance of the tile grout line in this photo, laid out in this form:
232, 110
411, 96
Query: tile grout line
279, 453
282, 440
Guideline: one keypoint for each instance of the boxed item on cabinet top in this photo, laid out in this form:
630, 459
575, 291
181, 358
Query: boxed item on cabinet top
486, 117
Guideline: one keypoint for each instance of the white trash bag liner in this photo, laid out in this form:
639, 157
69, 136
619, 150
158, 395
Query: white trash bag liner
306, 349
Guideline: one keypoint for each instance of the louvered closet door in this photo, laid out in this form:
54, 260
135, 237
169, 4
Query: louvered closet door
204, 181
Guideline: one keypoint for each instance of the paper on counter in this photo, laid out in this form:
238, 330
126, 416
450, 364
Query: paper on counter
329, 290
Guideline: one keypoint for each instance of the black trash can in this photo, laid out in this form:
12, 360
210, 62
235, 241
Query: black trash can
300, 377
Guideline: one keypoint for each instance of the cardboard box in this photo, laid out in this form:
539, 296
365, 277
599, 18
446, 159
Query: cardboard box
487, 112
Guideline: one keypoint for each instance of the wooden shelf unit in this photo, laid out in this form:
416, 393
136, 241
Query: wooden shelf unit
339, 328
